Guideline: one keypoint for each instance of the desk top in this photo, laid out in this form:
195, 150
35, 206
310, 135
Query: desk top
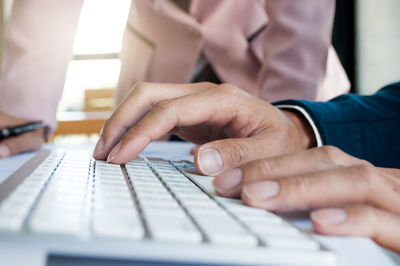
349, 250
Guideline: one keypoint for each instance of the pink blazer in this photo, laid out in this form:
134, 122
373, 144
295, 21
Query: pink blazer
291, 58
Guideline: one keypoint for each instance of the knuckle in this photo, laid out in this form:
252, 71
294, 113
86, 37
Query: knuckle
107, 129
332, 153
130, 134
339, 157
366, 172
370, 216
297, 190
113, 129
300, 185
164, 105
236, 153
300, 191
258, 169
229, 89
140, 87
366, 176
167, 109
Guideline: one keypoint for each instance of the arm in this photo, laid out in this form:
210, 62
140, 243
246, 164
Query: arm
363, 126
38, 46
261, 153
297, 46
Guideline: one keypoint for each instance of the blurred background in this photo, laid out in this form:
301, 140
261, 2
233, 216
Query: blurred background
93, 73
97, 44
366, 36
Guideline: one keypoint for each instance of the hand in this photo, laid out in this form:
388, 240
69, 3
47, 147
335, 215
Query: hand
25, 142
233, 126
349, 196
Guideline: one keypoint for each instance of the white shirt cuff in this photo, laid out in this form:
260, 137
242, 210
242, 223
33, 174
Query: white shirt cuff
309, 119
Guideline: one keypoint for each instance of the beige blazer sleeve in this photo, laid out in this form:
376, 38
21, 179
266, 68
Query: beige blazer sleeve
37, 48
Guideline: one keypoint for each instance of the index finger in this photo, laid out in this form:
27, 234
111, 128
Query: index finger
230, 183
213, 107
135, 105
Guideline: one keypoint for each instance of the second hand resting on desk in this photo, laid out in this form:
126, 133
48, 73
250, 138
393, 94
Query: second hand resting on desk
20, 129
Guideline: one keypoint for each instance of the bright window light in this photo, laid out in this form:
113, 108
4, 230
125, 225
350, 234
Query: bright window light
101, 26
85, 75
100, 31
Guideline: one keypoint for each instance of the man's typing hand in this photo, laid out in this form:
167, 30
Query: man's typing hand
260, 153
25, 142
348, 196
232, 127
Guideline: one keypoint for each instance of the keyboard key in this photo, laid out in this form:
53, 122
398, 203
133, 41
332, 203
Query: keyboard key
223, 229
10, 221
172, 228
290, 242
125, 224
69, 223
71, 194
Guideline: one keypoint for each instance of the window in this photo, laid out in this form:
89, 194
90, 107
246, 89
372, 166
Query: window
96, 48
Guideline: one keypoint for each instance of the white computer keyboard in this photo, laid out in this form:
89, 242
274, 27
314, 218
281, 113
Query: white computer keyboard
72, 194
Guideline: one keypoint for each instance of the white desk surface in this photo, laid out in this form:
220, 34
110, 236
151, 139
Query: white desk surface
349, 250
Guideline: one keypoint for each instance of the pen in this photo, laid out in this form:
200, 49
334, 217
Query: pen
19, 129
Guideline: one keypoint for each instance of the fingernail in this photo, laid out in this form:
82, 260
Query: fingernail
228, 180
114, 152
329, 216
261, 191
99, 147
4, 151
209, 161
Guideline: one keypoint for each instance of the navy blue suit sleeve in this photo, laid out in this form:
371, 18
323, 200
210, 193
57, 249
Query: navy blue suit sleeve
367, 127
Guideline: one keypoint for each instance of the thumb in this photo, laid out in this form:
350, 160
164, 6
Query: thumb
218, 156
